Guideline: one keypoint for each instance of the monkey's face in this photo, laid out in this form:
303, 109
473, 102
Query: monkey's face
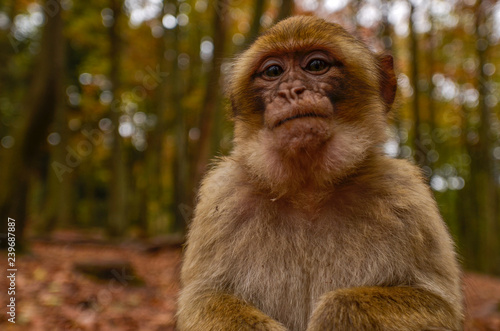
298, 91
307, 90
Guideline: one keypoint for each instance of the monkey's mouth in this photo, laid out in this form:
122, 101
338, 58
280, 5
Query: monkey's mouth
298, 116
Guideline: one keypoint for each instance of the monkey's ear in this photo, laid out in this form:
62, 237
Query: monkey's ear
388, 81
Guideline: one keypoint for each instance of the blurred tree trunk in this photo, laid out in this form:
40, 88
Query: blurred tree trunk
429, 105
286, 10
182, 207
418, 149
42, 100
59, 203
482, 172
212, 93
478, 200
10, 7
155, 190
182, 204
88, 216
431, 45
8, 47
467, 205
258, 10
118, 213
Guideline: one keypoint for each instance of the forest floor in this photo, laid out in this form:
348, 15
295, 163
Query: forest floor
86, 285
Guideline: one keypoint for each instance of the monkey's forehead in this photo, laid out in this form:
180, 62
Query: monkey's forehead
303, 29
304, 34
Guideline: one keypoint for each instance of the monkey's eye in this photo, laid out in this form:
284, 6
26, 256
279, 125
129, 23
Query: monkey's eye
273, 71
316, 65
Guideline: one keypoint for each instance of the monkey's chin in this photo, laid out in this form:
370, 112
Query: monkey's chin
301, 135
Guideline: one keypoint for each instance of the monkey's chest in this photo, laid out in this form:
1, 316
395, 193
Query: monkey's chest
289, 267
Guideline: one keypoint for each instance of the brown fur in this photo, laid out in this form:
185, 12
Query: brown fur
307, 225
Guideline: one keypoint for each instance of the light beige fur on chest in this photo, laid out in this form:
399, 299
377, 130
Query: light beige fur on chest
283, 266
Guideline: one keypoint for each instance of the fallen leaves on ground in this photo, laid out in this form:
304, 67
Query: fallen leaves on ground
52, 294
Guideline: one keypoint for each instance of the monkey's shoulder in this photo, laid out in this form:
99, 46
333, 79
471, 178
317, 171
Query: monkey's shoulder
221, 180
388, 176
398, 184
223, 187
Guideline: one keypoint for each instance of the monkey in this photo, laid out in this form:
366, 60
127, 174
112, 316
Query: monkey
307, 224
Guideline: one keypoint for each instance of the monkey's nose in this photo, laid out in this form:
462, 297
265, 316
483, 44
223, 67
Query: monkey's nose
291, 93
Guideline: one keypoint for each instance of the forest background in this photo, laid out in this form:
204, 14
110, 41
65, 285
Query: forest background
112, 110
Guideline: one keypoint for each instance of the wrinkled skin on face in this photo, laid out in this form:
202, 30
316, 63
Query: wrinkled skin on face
314, 107
298, 98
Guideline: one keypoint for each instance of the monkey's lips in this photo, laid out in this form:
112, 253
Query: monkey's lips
280, 122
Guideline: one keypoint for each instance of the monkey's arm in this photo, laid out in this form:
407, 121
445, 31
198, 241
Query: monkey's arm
206, 302
384, 309
216, 311
425, 252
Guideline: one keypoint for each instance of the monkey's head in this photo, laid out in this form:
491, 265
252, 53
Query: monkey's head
309, 103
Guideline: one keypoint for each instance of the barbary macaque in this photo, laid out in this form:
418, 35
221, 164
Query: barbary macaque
307, 224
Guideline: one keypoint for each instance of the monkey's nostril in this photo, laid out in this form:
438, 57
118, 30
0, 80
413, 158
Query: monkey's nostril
292, 93
284, 93
295, 91
298, 90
